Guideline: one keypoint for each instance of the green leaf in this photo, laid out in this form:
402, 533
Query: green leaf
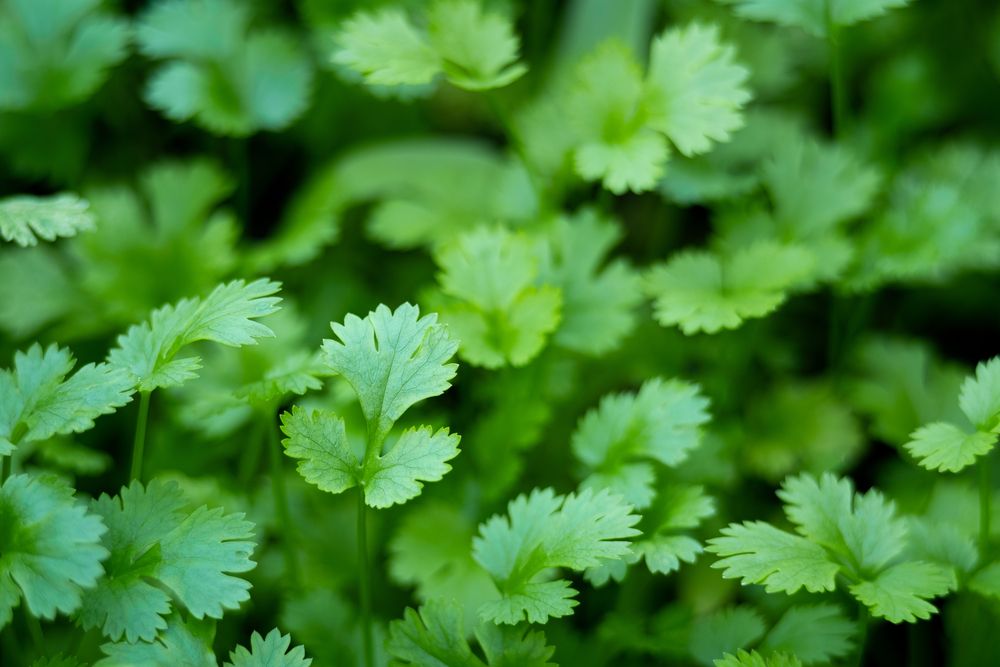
38, 401
270, 651
758, 553
754, 659
815, 634
50, 545
419, 455
980, 396
900, 592
386, 48
987, 581
55, 53
701, 291
318, 439
811, 15
945, 447
233, 80
599, 302
180, 643
490, 299
724, 631
478, 49
435, 637
543, 530
24, 219
695, 92
392, 359
156, 547
227, 316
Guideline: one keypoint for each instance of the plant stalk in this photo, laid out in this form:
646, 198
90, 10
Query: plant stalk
364, 582
863, 620
5, 468
280, 494
838, 91
139, 443
985, 507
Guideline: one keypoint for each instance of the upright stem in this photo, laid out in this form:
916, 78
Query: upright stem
985, 507
35, 630
139, 443
838, 99
863, 620
281, 505
5, 468
364, 584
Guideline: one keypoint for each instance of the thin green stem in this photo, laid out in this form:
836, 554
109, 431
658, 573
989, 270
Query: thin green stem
863, 621
139, 443
5, 469
280, 494
838, 92
985, 507
35, 630
364, 582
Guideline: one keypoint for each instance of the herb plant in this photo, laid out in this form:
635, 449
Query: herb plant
495, 333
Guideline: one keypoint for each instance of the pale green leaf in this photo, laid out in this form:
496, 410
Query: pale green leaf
753, 659
318, 439
724, 631
811, 15
945, 447
815, 634
270, 651
386, 48
980, 396
187, 644
24, 219
478, 48
418, 455
900, 592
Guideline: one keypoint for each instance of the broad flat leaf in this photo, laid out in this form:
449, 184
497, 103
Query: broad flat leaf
187, 644
724, 631
435, 637
701, 291
543, 530
811, 15
156, 547
753, 659
900, 592
758, 553
478, 48
599, 302
419, 455
490, 300
50, 545
24, 219
940, 542
318, 439
980, 396
815, 634
270, 651
227, 316
386, 48
392, 359
695, 91
945, 447
38, 401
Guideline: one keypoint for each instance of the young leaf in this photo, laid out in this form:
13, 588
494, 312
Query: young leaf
543, 530
701, 291
386, 48
724, 631
491, 301
270, 651
38, 401
813, 16
24, 219
180, 643
435, 635
754, 659
900, 592
815, 634
50, 545
392, 359
148, 351
156, 547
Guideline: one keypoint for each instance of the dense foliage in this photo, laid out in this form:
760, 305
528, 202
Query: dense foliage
471, 332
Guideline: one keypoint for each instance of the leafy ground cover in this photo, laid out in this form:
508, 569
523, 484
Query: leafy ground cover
512, 334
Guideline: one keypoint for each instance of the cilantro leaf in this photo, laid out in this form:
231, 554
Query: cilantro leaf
148, 351
435, 635
38, 401
702, 291
270, 651
51, 547
900, 592
156, 547
490, 300
696, 91
230, 79
662, 422
947, 447
753, 659
812, 15
392, 359
543, 530
473, 48
724, 631
55, 53
813, 633
24, 219
598, 303
758, 553
987, 581
318, 439
179, 643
